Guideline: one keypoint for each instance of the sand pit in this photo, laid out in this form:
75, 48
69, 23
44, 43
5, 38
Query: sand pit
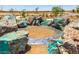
40, 32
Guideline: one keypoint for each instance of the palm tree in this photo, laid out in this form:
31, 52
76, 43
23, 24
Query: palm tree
57, 10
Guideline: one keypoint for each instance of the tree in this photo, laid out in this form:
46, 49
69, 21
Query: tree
61, 12
23, 13
73, 10
77, 9
57, 10
36, 9
11, 10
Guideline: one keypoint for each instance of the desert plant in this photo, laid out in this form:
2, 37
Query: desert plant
57, 11
23, 14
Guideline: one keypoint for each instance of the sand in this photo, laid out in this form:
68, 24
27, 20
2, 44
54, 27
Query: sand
38, 49
40, 32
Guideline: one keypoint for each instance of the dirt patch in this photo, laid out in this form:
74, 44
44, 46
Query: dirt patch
38, 49
40, 32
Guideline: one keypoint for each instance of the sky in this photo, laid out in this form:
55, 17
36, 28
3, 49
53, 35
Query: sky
39, 2
32, 7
